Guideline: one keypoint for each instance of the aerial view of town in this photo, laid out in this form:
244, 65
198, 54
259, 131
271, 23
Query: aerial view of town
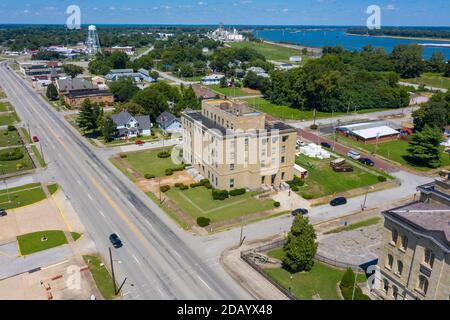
249, 151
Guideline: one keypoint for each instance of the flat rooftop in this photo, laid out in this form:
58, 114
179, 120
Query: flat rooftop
239, 109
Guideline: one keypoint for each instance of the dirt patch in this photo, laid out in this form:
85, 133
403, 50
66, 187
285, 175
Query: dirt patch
250, 91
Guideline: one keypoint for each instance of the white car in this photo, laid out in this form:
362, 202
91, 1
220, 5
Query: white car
353, 154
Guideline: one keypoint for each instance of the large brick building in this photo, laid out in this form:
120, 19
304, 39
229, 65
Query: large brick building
234, 147
414, 260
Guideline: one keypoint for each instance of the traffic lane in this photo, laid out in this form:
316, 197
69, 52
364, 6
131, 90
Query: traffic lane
341, 149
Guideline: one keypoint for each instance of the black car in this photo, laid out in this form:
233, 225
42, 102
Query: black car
366, 161
326, 145
115, 240
3, 213
300, 211
338, 201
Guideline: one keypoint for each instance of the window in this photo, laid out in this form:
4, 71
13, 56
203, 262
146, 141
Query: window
429, 258
394, 237
285, 138
399, 268
394, 292
385, 286
282, 175
404, 243
283, 159
231, 183
390, 261
232, 167
423, 284
283, 149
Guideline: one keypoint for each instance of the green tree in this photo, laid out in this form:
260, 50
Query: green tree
52, 92
86, 117
424, 148
108, 128
153, 101
132, 107
223, 82
300, 247
188, 99
447, 69
407, 60
123, 89
435, 113
154, 75
436, 63
72, 70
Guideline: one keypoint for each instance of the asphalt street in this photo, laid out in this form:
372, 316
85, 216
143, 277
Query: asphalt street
157, 263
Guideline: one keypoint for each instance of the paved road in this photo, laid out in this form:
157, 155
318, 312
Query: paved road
416, 86
178, 81
159, 260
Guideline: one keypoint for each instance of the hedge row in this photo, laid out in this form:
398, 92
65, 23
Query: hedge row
181, 186
164, 188
170, 171
164, 155
202, 183
237, 192
16, 154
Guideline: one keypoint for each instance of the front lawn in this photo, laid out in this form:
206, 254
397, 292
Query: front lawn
38, 156
232, 92
101, 276
436, 80
10, 166
321, 280
9, 138
147, 162
4, 106
270, 51
394, 150
323, 181
8, 119
32, 242
21, 196
198, 202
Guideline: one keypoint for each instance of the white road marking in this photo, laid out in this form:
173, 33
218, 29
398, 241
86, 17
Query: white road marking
177, 254
101, 212
203, 282
149, 224
136, 259
79, 182
90, 197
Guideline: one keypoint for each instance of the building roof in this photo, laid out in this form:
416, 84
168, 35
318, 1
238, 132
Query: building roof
123, 117
370, 130
213, 77
204, 93
88, 93
69, 84
431, 218
165, 119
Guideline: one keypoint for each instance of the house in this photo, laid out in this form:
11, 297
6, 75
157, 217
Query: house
99, 82
295, 59
129, 126
168, 123
260, 72
140, 76
212, 79
127, 49
65, 85
75, 98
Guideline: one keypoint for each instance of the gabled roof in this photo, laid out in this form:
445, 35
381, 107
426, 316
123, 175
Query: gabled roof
165, 119
123, 117
69, 84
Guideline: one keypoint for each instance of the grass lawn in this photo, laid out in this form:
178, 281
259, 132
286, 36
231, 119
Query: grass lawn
436, 80
31, 242
231, 92
53, 188
21, 196
101, 276
8, 119
321, 280
288, 113
4, 106
38, 156
357, 225
198, 202
323, 181
26, 134
393, 150
10, 166
270, 51
148, 162
9, 138
75, 235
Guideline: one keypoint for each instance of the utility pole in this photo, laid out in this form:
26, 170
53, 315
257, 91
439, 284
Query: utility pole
242, 238
29, 132
112, 271
354, 286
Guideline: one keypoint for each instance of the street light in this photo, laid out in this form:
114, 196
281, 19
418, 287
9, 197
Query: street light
116, 291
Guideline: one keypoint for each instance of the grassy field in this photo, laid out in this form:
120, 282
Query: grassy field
323, 181
198, 202
357, 225
101, 276
21, 196
53, 188
4, 106
10, 166
436, 80
31, 242
148, 162
38, 156
26, 134
9, 138
393, 150
231, 92
270, 51
288, 113
8, 119
321, 280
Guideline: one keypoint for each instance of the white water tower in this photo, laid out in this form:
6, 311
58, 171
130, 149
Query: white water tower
92, 42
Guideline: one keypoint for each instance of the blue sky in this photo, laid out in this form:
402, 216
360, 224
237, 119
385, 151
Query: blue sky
297, 12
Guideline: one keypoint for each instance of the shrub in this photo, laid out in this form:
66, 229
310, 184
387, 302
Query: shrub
220, 194
296, 182
237, 192
184, 187
308, 196
276, 204
203, 222
19, 166
177, 185
16, 154
314, 127
208, 185
204, 182
169, 172
164, 188
164, 154
123, 155
11, 128
382, 178
149, 176
295, 188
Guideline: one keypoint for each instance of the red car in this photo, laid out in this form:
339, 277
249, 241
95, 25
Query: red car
139, 142
35, 139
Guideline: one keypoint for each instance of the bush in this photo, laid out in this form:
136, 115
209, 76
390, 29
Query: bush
149, 176
181, 186
164, 155
276, 204
123, 155
19, 166
346, 286
16, 154
237, 192
308, 196
296, 182
220, 194
11, 128
314, 127
295, 189
164, 188
202, 183
382, 178
208, 185
203, 222
169, 172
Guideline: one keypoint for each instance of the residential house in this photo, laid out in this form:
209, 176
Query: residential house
212, 79
260, 72
75, 98
168, 123
140, 76
129, 126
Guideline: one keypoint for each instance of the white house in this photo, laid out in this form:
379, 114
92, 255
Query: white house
129, 126
168, 123
295, 59
212, 79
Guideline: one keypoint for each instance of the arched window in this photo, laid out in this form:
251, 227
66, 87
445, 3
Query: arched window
423, 284
390, 261
394, 292
429, 258
394, 237
399, 268
404, 242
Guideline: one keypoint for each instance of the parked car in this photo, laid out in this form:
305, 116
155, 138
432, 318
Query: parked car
3, 213
354, 155
338, 201
139, 142
343, 168
326, 145
366, 161
115, 240
300, 143
35, 139
300, 211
